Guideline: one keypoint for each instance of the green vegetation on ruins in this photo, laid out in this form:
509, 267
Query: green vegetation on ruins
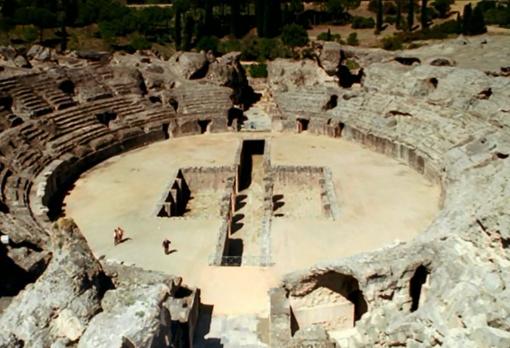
260, 29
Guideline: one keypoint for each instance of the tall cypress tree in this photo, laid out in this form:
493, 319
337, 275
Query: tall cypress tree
410, 15
178, 28
379, 17
272, 18
398, 19
260, 12
189, 26
466, 19
424, 15
235, 13
208, 19
478, 22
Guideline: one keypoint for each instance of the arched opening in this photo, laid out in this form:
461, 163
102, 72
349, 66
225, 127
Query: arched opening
407, 60
419, 278
106, 117
154, 99
302, 125
336, 302
204, 125
6, 102
332, 103
235, 114
433, 81
67, 86
174, 104
200, 73
165, 127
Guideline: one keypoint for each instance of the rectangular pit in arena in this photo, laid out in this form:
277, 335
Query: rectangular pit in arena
303, 192
192, 190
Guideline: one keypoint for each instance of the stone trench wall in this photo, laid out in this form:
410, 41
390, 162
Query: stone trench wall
54, 181
310, 175
460, 248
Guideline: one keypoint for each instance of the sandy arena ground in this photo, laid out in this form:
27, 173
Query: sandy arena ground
381, 201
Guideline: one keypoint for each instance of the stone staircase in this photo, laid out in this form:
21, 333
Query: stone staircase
232, 331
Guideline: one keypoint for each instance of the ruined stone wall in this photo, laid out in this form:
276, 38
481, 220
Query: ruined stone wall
199, 178
310, 176
268, 181
227, 207
54, 181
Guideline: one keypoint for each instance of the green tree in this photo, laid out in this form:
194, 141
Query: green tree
259, 14
410, 15
379, 17
477, 26
9, 8
398, 18
189, 28
442, 7
42, 18
272, 18
294, 35
338, 8
466, 19
235, 13
424, 15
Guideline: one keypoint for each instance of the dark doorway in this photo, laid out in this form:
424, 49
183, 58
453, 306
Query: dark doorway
154, 99
174, 104
165, 127
419, 278
249, 149
204, 125
66, 86
236, 115
6, 102
347, 286
302, 125
106, 117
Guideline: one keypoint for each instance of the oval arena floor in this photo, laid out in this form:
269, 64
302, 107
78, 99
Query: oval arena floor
381, 201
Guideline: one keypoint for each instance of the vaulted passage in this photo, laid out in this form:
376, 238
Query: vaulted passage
243, 242
301, 125
251, 152
337, 301
419, 278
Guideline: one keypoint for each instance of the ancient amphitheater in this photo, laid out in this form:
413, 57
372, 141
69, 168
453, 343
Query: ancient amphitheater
314, 208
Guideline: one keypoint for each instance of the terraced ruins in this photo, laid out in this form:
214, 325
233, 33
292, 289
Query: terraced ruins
301, 213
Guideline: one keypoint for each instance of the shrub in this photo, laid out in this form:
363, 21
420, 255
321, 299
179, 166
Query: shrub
260, 49
352, 64
442, 7
229, 46
392, 43
352, 39
258, 70
138, 42
207, 43
294, 35
448, 27
390, 19
29, 34
362, 22
327, 36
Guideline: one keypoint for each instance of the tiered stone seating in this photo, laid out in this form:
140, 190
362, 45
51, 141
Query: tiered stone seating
208, 101
81, 116
27, 102
8, 119
54, 96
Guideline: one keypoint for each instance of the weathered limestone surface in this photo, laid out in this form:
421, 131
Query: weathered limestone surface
60, 304
451, 124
